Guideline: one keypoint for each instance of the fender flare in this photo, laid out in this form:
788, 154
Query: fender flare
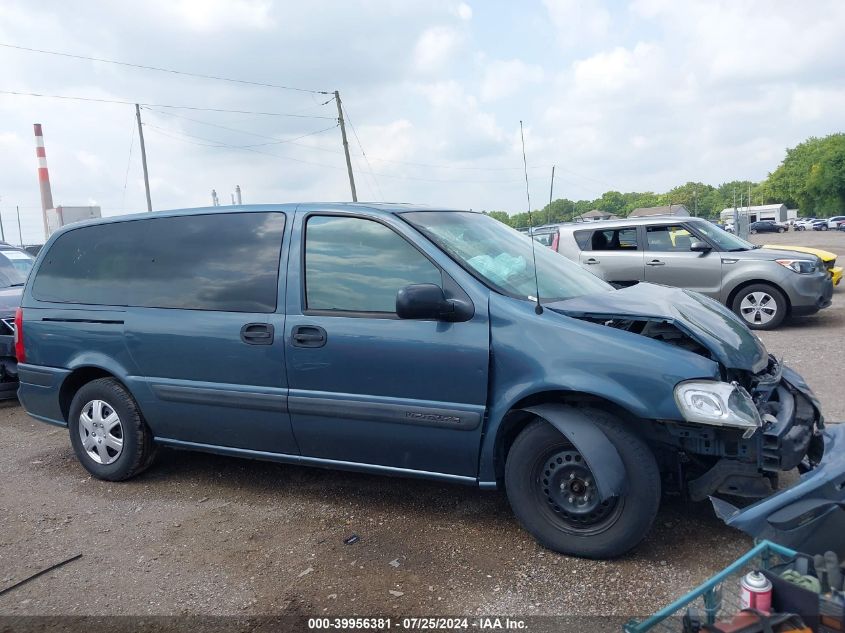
590, 440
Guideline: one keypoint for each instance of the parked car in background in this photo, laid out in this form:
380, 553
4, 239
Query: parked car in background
802, 224
834, 222
766, 226
820, 225
411, 341
828, 258
14, 268
841, 226
16, 257
760, 285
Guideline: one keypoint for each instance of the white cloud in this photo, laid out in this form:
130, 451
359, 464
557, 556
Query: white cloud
463, 11
435, 48
505, 78
578, 21
209, 16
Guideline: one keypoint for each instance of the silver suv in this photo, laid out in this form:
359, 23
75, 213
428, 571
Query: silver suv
762, 286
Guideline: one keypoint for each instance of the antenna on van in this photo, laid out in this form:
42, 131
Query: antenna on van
539, 308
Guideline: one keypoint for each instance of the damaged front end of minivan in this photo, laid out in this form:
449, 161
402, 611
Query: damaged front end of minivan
738, 434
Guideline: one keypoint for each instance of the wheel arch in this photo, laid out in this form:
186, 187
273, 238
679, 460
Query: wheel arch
766, 282
77, 379
517, 418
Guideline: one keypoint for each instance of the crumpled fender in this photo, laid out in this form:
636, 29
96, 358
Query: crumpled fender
586, 436
809, 516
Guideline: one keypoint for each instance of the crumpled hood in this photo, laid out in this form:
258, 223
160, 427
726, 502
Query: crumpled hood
10, 300
707, 321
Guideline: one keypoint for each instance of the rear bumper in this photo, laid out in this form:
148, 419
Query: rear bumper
39, 392
810, 516
835, 274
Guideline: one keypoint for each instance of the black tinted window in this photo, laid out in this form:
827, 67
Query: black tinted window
222, 261
614, 240
582, 238
358, 265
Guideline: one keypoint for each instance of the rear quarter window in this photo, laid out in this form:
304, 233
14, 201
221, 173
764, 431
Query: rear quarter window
582, 238
223, 261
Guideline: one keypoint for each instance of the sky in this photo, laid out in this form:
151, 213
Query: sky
629, 96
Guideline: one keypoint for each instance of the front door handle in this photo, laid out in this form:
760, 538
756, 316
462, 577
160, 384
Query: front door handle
308, 336
656, 262
593, 260
257, 334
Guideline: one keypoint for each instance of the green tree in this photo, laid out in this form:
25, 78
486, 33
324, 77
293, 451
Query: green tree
812, 176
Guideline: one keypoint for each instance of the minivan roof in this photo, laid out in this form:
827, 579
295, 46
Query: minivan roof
384, 207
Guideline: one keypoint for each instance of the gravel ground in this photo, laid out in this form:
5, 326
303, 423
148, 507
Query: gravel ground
202, 534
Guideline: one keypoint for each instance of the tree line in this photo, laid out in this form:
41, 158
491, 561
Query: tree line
811, 178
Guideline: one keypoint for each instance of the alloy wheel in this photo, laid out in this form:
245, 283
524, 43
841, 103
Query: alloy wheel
758, 308
101, 432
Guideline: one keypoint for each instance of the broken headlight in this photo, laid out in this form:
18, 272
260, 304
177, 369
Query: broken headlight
718, 404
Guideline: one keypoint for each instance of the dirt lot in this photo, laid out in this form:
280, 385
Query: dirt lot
200, 534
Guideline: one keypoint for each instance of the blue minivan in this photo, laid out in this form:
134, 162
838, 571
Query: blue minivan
416, 342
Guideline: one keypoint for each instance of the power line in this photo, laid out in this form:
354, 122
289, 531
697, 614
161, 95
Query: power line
164, 105
363, 153
273, 141
212, 143
163, 70
128, 163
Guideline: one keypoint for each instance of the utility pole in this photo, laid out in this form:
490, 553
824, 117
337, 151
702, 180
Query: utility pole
214, 201
695, 203
551, 194
345, 146
143, 157
20, 233
238, 193
2, 232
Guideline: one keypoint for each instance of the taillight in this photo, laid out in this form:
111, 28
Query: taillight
20, 352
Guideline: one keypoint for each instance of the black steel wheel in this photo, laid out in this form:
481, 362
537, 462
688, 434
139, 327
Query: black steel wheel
553, 493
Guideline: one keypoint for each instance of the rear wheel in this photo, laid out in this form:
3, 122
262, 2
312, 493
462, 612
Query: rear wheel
553, 491
752, 231
781, 230
108, 434
761, 306
824, 227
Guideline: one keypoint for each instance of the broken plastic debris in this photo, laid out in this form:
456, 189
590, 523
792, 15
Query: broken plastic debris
352, 538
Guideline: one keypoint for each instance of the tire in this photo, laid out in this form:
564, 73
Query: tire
619, 524
745, 305
753, 231
103, 413
824, 227
781, 230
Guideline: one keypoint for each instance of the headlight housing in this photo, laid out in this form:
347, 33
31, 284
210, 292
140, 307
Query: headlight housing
800, 266
718, 404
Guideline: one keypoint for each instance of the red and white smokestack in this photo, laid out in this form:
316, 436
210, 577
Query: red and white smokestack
43, 175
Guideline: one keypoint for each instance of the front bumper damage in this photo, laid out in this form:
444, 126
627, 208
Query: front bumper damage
808, 517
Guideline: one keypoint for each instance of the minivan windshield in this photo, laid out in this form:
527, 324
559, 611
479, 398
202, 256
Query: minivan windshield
501, 256
724, 240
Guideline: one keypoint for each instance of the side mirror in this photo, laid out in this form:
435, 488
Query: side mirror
700, 247
423, 301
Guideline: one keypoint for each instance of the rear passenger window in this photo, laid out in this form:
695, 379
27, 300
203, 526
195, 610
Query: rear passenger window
358, 265
613, 240
222, 261
582, 238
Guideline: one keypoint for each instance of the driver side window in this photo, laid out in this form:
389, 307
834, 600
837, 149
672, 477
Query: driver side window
358, 265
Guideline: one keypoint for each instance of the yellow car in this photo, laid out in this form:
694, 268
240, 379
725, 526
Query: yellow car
827, 257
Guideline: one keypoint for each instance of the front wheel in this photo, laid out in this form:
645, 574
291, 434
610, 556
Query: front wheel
781, 230
761, 306
824, 227
753, 231
553, 493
